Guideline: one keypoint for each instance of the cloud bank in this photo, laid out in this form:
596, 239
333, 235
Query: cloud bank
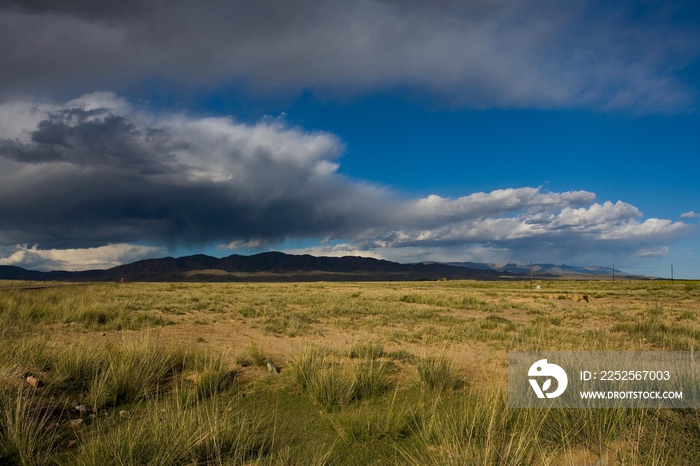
476, 53
97, 172
102, 257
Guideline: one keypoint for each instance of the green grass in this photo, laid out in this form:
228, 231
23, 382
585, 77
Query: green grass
390, 423
253, 355
367, 350
475, 428
333, 383
168, 433
99, 307
28, 435
439, 373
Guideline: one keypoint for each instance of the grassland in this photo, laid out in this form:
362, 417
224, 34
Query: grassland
326, 373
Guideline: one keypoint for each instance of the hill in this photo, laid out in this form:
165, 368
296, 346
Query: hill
268, 266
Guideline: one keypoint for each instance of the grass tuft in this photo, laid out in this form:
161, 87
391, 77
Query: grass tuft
439, 373
367, 350
252, 356
332, 383
28, 434
374, 424
172, 433
475, 429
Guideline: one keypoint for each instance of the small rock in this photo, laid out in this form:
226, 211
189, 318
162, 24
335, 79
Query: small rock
601, 462
82, 409
229, 409
75, 423
272, 369
123, 413
34, 382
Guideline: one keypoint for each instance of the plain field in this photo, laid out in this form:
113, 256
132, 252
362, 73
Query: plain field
326, 373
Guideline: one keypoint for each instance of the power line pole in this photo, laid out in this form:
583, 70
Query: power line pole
671, 274
530, 275
613, 273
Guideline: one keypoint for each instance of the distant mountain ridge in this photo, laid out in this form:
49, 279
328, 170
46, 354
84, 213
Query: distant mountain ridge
278, 266
540, 268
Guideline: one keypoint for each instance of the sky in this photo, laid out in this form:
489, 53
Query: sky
480, 130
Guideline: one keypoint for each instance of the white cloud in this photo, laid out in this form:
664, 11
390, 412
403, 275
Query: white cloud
102, 257
659, 252
506, 215
690, 214
238, 245
337, 250
479, 205
650, 228
597, 214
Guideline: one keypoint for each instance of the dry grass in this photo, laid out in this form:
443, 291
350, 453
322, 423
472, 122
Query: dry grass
371, 373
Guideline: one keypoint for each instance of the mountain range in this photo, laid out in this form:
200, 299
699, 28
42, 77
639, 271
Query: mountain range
539, 269
277, 266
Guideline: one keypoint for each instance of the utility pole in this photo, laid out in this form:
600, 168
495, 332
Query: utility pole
671, 274
530, 275
613, 273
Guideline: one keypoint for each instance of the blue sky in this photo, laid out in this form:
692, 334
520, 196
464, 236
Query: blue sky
485, 131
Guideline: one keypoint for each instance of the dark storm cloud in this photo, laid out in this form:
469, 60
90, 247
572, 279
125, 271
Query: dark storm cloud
84, 175
88, 9
474, 53
96, 139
